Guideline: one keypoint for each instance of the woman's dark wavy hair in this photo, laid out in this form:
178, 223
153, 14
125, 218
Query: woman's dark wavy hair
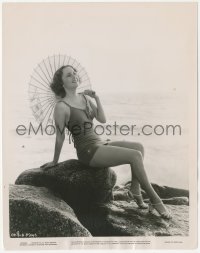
57, 83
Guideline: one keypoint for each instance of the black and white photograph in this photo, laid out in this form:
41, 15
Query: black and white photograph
100, 125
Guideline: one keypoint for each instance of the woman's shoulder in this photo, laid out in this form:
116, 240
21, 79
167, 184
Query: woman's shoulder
62, 106
62, 103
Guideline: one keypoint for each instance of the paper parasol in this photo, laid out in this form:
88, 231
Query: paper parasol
42, 98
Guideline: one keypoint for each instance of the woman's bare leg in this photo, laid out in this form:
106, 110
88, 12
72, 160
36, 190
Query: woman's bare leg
128, 144
111, 156
135, 185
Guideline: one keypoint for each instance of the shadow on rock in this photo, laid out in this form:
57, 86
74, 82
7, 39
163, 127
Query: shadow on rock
79, 185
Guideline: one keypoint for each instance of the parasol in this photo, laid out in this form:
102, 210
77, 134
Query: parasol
42, 98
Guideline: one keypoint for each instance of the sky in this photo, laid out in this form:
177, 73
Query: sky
134, 47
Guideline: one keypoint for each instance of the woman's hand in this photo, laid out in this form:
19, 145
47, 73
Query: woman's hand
48, 165
99, 112
90, 93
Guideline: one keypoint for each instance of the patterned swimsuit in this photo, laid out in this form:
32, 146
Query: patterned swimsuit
80, 126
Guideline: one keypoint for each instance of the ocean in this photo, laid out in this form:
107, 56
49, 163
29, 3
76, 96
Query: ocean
166, 155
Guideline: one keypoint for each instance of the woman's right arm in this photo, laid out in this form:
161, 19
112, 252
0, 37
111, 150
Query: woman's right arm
61, 117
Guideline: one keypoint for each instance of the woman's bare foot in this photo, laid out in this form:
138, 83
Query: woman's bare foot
161, 209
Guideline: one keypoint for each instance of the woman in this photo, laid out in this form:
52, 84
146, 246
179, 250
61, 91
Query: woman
76, 111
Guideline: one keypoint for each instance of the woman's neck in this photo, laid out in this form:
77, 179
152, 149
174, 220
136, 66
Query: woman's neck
71, 94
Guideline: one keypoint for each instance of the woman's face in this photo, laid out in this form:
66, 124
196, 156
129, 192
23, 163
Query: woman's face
69, 78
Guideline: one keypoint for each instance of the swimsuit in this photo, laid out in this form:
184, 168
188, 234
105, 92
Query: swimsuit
80, 126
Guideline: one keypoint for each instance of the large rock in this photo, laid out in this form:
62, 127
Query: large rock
103, 209
32, 210
37, 212
79, 185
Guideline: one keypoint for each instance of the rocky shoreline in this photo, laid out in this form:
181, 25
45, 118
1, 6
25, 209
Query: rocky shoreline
71, 199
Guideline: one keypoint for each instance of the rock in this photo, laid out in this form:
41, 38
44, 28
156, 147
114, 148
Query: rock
37, 212
101, 208
165, 192
77, 184
177, 201
121, 195
120, 218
